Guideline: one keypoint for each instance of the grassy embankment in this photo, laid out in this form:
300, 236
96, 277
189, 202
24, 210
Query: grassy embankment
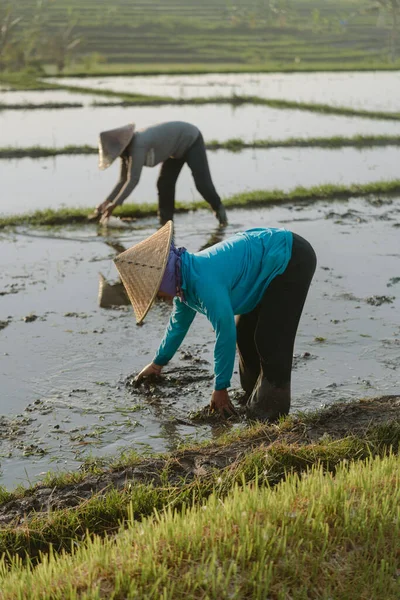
246, 200
232, 145
256, 543
286, 518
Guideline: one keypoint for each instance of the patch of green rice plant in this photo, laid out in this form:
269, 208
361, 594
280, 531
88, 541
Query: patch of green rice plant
232, 145
312, 537
266, 464
42, 106
257, 198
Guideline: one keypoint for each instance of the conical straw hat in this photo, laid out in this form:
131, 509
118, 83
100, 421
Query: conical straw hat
112, 143
142, 268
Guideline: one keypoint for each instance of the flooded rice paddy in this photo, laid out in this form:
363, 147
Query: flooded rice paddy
78, 126
64, 360
368, 90
32, 184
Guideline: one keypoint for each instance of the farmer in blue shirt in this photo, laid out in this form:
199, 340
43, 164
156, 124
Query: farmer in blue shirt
251, 287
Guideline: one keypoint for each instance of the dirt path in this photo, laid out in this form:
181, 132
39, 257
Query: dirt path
337, 421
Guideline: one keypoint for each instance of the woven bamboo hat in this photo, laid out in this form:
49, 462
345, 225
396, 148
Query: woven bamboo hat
112, 143
142, 268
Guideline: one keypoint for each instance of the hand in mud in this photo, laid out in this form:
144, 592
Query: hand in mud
102, 212
220, 402
95, 215
106, 213
151, 369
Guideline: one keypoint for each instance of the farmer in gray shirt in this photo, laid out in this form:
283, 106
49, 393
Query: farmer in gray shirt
173, 144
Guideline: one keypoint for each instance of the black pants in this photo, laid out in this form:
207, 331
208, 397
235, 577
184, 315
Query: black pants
265, 336
196, 158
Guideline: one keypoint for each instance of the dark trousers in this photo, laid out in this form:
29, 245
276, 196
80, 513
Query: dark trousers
196, 158
265, 336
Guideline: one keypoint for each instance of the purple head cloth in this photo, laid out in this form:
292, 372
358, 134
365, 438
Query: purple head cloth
171, 281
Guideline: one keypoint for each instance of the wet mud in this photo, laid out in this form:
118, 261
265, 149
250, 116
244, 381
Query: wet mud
67, 376
336, 422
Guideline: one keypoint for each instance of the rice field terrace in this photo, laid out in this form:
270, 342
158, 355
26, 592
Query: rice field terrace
289, 34
110, 490
327, 176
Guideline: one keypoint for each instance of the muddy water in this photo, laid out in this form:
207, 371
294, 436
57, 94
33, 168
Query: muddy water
53, 127
76, 181
371, 90
43, 96
62, 373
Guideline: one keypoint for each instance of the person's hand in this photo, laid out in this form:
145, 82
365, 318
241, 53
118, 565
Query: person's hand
220, 402
106, 213
99, 212
95, 215
151, 369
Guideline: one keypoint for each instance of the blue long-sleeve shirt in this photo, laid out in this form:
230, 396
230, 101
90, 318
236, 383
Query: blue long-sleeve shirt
220, 282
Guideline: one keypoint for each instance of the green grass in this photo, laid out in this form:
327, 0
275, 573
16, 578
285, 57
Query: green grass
265, 464
232, 145
253, 100
42, 152
314, 537
137, 100
42, 106
36, 82
125, 99
123, 69
188, 36
236, 100
24, 81
358, 141
246, 200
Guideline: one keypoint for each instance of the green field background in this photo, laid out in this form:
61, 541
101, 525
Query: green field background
289, 33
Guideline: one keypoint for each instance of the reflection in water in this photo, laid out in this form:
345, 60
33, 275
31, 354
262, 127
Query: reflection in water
114, 294
115, 245
216, 237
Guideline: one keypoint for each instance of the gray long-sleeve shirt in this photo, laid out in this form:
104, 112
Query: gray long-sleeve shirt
149, 147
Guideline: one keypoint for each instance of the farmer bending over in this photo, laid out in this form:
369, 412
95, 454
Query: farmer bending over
173, 144
260, 275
